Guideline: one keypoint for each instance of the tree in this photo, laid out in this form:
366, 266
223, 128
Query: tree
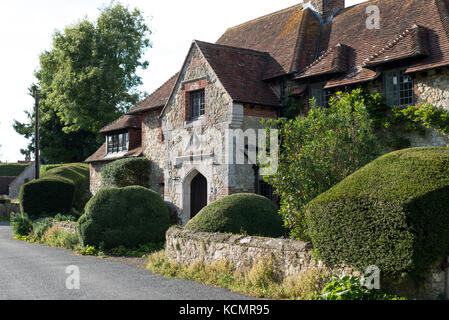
319, 150
87, 80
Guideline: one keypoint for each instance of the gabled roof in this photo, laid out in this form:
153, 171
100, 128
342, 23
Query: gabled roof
290, 36
411, 43
240, 71
333, 61
349, 28
157, 99
124, 122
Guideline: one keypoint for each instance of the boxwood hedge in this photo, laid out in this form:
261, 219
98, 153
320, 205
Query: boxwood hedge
78, 174
48, 196
57, 191
240, 213
129, 217
127, 172
393, 213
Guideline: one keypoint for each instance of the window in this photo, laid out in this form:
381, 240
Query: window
398, 88
321, 95
197, 104
118, 143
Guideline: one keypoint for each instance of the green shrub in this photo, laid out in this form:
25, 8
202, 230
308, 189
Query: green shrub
393, 213
21, 224
12, 170
240, 213
127, 172
48, 167
47, 196
351, 288
78, 174
127, 217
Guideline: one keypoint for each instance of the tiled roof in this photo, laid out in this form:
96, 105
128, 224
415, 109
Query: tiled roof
100, 155
411, 43
241, 71
157, 99
334, 60
290, 36
349, 28
124, 122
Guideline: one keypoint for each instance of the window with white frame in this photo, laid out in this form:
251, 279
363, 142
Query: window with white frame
197, 104
118, 143
398, 88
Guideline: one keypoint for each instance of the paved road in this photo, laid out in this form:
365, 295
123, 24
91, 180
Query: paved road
35, 272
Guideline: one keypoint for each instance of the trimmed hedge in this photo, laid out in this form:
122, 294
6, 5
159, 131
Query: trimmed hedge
127, 172
79, 175
128, 217
46, 196
12, 170
57, 191
251, 214
393, 213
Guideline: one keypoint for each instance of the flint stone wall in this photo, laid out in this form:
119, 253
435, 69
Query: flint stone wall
290, 257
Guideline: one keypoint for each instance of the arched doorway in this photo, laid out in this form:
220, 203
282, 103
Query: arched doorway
198, 194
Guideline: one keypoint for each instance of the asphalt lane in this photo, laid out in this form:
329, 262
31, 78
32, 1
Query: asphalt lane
36, 272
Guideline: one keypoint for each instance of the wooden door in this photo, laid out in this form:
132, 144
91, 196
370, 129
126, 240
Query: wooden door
198, 196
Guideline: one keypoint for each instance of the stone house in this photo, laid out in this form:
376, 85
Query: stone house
313, 49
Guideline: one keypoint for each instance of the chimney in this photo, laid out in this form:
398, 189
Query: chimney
327, 8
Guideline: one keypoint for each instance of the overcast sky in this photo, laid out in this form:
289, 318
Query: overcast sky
26, 28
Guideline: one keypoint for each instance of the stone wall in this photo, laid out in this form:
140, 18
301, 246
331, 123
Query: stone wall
27, 175
7, 209
95, 176
290, 257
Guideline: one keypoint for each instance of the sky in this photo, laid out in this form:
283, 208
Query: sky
26, 29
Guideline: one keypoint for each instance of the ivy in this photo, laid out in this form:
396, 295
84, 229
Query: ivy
426, 115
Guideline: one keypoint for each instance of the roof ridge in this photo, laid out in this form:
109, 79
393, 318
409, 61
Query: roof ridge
147, 97
300, 5
392, 43
232, 47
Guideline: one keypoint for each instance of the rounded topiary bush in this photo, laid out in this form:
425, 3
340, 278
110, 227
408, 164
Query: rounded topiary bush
393, 213
127, 172
240, 213
76, 173
48, 196
127, 217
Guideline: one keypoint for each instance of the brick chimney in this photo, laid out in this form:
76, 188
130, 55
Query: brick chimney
327, 8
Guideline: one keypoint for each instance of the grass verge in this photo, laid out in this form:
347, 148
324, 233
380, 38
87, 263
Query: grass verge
259, 281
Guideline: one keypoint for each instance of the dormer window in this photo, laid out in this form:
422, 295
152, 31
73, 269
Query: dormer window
197, 103
118, 143
321, 95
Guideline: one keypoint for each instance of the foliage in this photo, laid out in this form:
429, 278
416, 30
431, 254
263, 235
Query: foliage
239, 213
351, 288
48, 167
56, 236
87, 251
21, 224
12, 170
259, 280
321, 149
79, 175
47, 196
127, 217
426, 115
392, 213
127, 172
86, 80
